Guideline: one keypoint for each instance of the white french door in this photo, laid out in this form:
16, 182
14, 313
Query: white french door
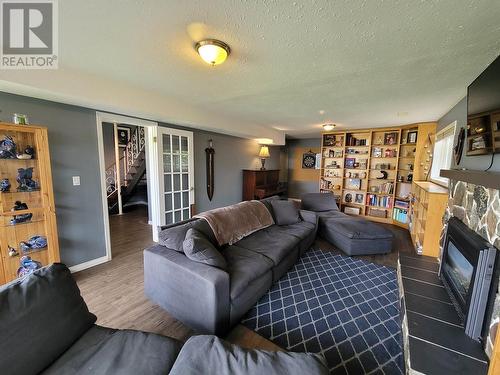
176, 174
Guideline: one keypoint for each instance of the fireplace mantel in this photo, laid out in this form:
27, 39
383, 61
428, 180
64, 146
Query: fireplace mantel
486, 179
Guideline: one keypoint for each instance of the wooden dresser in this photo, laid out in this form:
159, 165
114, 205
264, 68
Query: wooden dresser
259, 184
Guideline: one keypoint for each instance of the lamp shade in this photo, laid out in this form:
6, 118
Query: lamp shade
212, 51
264, 152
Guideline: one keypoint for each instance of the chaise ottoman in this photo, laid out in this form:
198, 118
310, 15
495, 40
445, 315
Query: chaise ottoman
352, 235
355, 236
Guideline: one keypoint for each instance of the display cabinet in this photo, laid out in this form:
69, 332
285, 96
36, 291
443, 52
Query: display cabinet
27, 214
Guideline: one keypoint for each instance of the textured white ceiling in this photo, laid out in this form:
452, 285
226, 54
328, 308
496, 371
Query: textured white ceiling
362, 62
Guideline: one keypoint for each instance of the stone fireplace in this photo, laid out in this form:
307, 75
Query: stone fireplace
474, 200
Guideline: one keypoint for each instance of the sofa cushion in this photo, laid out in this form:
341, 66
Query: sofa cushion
285, 212
41, 316
300, 230
267, 202
172, 236
198, 248
211, 355
103, 351
271, 243
244, 267
358, 228
319, 202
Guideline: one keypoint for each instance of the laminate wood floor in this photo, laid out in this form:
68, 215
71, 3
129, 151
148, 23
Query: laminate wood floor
114, 290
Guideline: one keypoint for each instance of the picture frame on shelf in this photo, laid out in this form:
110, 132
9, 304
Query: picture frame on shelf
390, 138
353, 183
349, 162
390, 153
411, 137
359, 198
377, 152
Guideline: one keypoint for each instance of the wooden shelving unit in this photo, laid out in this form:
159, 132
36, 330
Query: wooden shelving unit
370, 171
40, 201
483, 133
426, 224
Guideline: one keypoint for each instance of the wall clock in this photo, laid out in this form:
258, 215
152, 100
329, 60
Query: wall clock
309, 160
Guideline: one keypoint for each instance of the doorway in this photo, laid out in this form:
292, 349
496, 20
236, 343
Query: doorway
152, 173
126, 186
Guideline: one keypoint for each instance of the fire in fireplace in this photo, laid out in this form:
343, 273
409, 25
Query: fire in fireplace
468, 265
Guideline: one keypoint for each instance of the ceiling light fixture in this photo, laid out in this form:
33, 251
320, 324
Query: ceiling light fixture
213, 51
329, 127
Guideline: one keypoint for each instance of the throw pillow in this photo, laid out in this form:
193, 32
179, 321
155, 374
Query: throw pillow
198, 248
286, 212
319, 202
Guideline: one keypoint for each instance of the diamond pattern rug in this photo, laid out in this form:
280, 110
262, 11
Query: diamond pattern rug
344, 308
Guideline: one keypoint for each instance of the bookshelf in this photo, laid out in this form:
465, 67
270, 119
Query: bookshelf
370, 171
426, 223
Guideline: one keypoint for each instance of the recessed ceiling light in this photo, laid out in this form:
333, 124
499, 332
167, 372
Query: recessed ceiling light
329, 127
321, 111
213, 51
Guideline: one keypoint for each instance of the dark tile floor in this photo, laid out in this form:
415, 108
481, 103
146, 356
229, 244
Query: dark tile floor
437, 341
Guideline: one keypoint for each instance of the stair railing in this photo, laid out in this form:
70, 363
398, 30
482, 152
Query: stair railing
132, 151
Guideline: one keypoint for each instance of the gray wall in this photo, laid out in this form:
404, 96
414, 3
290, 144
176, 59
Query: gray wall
232, 155
299, 185
459, 113
73, 150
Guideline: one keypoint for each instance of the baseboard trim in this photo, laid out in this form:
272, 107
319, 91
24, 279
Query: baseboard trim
89, 264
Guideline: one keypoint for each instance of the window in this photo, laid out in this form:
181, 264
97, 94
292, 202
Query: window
443, 153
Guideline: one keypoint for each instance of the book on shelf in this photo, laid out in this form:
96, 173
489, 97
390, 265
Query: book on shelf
385, 188
400, 215
402, 203
379, 201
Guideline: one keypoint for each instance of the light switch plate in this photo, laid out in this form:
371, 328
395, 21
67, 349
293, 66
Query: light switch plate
76, 180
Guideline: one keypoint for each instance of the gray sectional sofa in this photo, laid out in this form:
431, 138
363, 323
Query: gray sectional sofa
353, 235
210, 299
46, 328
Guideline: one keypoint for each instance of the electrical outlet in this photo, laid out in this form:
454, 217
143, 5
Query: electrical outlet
76, 180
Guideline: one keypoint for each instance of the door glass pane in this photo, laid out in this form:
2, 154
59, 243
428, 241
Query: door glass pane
185, 214
185, 181
184, 145
178, 216
166, 143
168, 202
177, 182
177, 201
167, 177
185, 163
166, 163
168, 218
176, 160
185, 199
175, 144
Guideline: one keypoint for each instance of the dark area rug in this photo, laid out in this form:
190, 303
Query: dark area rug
344, 308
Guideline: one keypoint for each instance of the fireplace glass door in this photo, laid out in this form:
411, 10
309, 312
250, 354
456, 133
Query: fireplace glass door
459, 271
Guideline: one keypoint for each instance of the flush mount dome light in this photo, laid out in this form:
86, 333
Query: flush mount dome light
212, 51
329, 127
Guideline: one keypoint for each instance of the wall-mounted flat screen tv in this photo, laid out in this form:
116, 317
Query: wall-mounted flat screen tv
483, 112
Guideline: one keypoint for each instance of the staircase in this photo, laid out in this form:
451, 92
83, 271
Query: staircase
132, 168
